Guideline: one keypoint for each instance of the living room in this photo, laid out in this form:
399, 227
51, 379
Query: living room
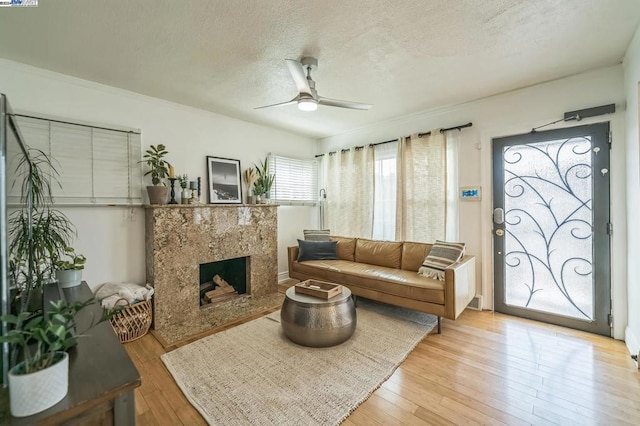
42, 74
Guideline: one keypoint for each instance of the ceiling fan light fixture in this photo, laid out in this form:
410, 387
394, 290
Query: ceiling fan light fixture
307, 104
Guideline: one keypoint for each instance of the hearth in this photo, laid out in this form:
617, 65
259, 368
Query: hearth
223, 280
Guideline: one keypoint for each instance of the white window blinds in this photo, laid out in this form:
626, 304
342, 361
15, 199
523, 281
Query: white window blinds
296, 180
96, 166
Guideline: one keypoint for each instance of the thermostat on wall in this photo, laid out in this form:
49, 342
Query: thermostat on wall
470, 193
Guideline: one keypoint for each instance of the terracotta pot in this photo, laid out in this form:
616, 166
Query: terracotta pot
158, 194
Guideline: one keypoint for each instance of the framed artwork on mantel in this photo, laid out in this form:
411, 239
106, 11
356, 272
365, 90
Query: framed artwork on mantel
225, 185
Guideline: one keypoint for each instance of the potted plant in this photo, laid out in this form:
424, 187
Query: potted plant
43, 339
37, 236
262, 186
69, 272
184, 182
158, 169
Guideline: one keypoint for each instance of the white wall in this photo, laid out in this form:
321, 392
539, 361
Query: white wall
515, 113
631, 66
112, 238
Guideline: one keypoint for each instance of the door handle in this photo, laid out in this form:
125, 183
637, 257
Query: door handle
498, 216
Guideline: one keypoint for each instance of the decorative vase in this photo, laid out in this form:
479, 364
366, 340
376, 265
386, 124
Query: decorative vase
157, 194
258, 198
69, 277
186, 194
251, 199
35, 392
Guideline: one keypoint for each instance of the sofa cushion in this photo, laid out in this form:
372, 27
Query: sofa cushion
384, 280
380, 253
346, 248
413, 254
317, 250
316, 234
442, 255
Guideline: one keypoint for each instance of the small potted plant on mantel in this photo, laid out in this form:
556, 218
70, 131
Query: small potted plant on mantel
158, 169
42, 379
186, 194
69, 272
263, 183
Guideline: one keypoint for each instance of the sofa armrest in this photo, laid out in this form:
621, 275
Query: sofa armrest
459, 286
292, 255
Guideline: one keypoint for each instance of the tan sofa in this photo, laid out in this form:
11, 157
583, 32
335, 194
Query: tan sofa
388, 272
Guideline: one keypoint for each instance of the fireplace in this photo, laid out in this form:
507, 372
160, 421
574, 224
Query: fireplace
180, 238
223, 280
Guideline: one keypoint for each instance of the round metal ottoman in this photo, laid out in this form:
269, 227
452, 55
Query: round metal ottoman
316, 322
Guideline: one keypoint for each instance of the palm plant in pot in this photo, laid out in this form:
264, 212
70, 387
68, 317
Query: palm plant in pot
43, 338
69, 271
158, 169
38, 235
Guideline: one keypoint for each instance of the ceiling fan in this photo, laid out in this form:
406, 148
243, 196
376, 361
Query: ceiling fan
308, 99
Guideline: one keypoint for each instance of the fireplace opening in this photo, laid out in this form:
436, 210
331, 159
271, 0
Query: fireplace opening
222, 280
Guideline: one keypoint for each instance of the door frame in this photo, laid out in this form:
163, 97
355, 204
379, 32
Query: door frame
601, 238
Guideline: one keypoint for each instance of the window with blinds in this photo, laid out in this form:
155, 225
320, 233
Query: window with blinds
95, 166
296, 180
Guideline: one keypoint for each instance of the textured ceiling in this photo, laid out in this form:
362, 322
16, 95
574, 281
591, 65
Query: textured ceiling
402, 56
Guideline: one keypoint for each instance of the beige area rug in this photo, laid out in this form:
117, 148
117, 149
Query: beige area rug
252, 374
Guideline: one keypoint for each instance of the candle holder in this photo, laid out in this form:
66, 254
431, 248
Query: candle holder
173, 191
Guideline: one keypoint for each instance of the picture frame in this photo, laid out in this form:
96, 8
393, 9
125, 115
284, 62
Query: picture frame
224, 181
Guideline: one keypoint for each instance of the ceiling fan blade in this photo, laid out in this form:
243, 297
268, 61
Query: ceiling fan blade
299, 77
344, 104
291, 102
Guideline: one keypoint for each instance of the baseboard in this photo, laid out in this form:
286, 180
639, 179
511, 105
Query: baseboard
283, 276
632, 342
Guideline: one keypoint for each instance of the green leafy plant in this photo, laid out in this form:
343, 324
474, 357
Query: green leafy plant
41, 335
184, 181
265, 180
37, 236
75, 262
158, 167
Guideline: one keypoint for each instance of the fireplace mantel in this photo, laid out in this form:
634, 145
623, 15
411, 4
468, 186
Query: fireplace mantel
181, 237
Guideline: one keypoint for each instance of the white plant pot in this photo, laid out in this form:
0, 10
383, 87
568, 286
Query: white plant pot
35, 392
69, 278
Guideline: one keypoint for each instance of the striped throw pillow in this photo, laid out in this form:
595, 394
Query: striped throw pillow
316, 235
442, 255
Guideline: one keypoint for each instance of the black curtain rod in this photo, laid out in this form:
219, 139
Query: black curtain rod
76, 124
460, 127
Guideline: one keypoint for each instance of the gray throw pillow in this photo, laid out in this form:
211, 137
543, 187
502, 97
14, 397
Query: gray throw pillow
317, 250
316, 235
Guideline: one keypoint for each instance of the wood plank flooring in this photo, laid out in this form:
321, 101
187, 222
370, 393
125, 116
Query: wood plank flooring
484, 368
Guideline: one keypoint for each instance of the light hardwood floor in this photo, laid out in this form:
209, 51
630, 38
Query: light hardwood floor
484, 368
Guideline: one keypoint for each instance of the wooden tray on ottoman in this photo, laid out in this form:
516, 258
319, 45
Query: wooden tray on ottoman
321, 289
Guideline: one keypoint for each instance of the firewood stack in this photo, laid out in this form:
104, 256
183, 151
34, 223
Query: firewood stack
222, 290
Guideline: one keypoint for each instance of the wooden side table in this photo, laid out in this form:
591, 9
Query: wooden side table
102, 377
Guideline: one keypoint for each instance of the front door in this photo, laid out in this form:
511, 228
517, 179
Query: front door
552, 227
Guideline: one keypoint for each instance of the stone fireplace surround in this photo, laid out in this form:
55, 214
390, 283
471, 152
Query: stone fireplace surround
181, 237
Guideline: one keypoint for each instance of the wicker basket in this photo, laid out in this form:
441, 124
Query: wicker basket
133, 321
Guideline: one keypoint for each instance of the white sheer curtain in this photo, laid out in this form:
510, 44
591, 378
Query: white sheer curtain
422, 190
452, 216
349, 183
384, 210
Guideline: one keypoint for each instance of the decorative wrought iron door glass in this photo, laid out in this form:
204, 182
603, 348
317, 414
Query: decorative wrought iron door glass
548, 227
